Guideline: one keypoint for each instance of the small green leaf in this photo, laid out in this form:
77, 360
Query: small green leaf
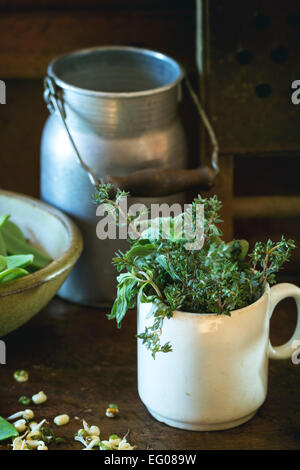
119, 308
244, 244
163, 262
239, 249
7, 430
140, 251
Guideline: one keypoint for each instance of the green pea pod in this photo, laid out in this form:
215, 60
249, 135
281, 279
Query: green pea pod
7, 430
12, 274
16, 246
13, 229
19, 261
3, 263
3, 219
3, 251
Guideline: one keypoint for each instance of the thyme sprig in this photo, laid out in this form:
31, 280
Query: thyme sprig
219, 278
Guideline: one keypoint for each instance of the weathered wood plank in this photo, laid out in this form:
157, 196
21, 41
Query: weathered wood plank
21, 123
30, 40
264, 228
224, 190
266, 206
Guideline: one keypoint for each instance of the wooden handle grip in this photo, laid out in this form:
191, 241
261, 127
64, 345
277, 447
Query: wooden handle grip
163, 182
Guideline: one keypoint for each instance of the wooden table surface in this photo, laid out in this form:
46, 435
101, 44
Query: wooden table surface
83, 363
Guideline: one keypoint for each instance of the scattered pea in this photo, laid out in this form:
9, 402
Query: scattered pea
61, 420
95, 431
90, 441
24, 400
39, 398
102, 446
21, 375
33, 424
26, 414
59, 440
124, 445
112, 410
42, 446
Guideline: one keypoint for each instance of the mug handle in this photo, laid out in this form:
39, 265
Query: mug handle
278, 293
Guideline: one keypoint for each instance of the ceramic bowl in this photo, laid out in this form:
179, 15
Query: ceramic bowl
52, 232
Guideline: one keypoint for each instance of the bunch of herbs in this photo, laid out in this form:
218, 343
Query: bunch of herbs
218, 278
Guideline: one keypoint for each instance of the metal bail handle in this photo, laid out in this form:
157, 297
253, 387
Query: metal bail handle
153, 182
55, 104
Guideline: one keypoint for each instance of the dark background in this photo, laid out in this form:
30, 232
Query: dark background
250, 58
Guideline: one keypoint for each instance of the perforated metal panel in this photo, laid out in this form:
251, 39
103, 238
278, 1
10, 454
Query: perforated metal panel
251, 57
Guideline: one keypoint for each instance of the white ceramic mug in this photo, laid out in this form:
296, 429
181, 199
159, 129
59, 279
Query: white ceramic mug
216, 376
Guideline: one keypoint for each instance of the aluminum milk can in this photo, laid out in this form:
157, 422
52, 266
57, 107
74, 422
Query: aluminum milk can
120, 105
